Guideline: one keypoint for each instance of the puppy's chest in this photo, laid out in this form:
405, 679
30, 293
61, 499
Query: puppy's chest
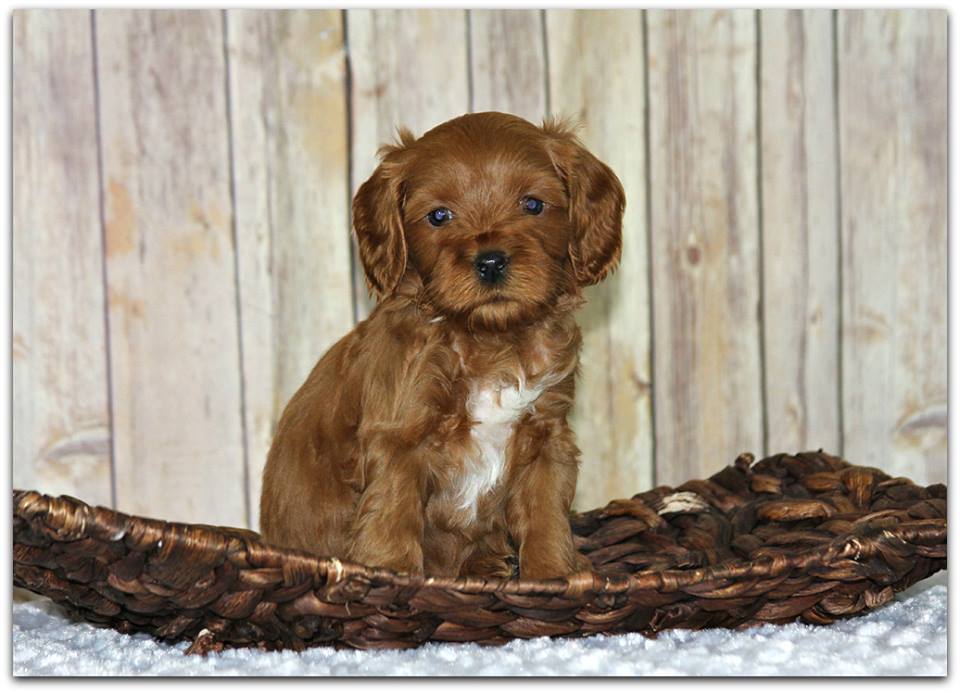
493, 410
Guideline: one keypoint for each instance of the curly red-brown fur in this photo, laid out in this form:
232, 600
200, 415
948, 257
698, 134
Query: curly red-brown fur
434, 436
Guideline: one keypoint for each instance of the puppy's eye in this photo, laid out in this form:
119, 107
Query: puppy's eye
532, 205
439, 216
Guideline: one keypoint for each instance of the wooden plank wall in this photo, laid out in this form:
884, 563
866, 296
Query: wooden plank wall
291, 205
705, 238
798, 179
893, 192
783, 283
61, 410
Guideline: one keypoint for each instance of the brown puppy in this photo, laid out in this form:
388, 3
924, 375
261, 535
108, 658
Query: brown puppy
433, 437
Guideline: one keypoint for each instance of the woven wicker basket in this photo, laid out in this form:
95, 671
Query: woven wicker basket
805, 537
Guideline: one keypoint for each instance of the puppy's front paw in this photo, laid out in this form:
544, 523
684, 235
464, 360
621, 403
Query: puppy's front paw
409, 560
490, 565
542, 566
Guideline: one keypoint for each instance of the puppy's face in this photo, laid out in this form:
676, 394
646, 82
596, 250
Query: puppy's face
486, 226
499, 218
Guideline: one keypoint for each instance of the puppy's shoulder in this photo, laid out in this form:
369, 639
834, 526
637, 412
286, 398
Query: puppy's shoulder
398, 332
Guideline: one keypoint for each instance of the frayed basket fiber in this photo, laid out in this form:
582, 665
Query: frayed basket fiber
805, 537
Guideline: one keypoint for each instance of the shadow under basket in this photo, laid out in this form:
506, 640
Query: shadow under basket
803, 537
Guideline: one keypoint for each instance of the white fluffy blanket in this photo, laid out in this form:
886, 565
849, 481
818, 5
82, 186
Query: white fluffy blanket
905, 637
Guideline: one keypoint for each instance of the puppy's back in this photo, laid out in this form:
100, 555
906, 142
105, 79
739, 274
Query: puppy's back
307, 501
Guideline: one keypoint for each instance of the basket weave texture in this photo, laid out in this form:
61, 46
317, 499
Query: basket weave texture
805, 537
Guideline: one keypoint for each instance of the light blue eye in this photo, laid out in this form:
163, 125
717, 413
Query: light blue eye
439, 216
532, 205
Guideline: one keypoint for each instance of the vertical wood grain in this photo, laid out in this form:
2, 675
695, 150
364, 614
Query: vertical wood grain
170, 265
61, 418
704, 226
800, 237
507, 62
893, 174
195, 323
408, 68
612, 414
289, 125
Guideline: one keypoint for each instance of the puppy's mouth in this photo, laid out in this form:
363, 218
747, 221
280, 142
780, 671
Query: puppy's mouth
495, 296
500, 311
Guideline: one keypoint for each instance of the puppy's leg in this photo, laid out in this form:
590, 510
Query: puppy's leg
303, 505
539, 505
389, 521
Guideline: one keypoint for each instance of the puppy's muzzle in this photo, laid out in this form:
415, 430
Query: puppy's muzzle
491, 266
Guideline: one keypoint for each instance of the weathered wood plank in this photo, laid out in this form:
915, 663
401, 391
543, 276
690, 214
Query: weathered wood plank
893, 175
507, 62
800, 237
289, 125
408, 68
704, 226
612, 415
61, 417
170, 265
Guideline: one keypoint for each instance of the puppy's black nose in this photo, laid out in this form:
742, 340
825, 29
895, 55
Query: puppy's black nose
491, 266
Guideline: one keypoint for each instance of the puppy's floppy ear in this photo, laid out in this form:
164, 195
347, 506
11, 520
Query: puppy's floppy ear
378, 221
597, 202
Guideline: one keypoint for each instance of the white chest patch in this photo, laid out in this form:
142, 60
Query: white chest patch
495, 410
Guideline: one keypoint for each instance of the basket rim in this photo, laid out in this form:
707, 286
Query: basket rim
77, 518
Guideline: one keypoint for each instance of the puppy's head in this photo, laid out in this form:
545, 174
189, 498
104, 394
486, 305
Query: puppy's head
498, 217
